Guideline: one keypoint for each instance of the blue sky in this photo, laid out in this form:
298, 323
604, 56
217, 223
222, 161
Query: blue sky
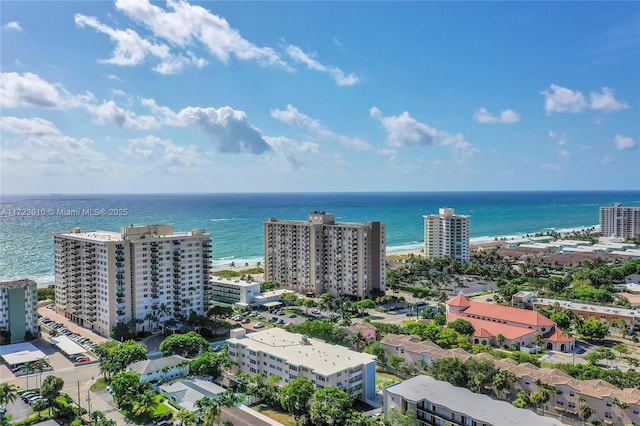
132, 96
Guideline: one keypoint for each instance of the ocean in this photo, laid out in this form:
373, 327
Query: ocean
235, 220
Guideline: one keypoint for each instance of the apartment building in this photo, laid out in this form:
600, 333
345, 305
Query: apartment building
446, 234
620, 221
232, 291
435, 402
149, 273
321, 255
18, 310
289, 355
631, 317
609, 404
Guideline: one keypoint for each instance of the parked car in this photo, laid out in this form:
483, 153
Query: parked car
292, 315
164, 416
82, 359
51, 306
280, 321
25, 396
258, 325
245, 321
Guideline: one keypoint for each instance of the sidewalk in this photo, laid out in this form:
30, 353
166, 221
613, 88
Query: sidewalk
260, 416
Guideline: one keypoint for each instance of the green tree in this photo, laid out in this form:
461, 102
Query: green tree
115, 357
39, 406
500, 338
295, 396
592, 329
329, 406
462, 326
50, 390
398, 417
377, 349
620, 348
185, 417
8, 393
144, 402
395, 361
127, 386
289, 299
210, 363
188, 345
208, 410
584, 411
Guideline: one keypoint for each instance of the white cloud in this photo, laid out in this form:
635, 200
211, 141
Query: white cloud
404, 130
566, 155
131, 49
606, 101
606, 160
561, 139
110, 112
114, 77
13, 25
551, 167
561, 99
338, 75
506, 116
228, 128
28, 126
163, 154
624, 142
293, 117
188, 25
291, 151
28, 90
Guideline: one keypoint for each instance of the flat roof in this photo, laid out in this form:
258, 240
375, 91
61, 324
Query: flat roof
235, 282
461, 400
323, 358
19, 353
17, 283
579, 306
67, 345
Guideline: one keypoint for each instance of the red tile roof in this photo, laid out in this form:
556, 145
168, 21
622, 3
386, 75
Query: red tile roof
481, 332
506, 313
459, 300
560, 336
511, 332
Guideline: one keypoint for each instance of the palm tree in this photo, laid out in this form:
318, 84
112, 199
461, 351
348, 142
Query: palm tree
358, 341
584, 411
499, 383
208, 409
500, 337
39, 406
97, 416
38, 366
144, 402
8, 393
185, 417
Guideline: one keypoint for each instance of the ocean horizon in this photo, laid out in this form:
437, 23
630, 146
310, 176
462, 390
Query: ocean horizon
235, 220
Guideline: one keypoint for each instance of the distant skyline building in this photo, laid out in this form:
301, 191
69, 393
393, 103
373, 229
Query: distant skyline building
18, 310
149, 273
620, 221
446, 234
321, 255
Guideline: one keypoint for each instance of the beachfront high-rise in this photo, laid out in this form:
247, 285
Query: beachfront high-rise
446, 235
619, 221
18, 310
149, 273
321, 255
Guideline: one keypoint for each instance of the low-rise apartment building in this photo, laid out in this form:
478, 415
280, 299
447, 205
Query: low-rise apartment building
161, 369
289, 355
18, 310
608, 403
435, 402
631, 317
232, 291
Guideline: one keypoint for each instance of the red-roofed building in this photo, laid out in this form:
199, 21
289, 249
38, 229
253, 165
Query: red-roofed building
517, 326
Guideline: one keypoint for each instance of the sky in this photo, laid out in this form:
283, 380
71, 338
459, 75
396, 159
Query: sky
181, 96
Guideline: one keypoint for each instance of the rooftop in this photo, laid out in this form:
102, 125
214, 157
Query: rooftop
461, 400
295, 349
511, 332
153, 365
17, 283
579, 306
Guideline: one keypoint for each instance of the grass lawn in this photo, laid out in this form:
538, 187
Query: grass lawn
388, 376
277, 415
99, 385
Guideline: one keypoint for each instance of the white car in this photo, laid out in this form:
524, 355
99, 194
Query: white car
258, 325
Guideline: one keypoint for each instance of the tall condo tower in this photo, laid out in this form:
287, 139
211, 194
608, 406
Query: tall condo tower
18, 311
149, 273
321, 255
619, 221
446, 235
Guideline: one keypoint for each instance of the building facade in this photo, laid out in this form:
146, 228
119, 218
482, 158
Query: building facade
18, 310
231, 291
434, 402
146, 273
161, 369
620, 221
289, 355
321, 255
446, 235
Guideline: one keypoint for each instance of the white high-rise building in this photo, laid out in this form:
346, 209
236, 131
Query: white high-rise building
18, 311
446, 235
321, 255
619, 221
149, 273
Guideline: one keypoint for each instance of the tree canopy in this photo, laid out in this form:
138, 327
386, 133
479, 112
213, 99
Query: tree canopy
329, 406
188, 345
115, 357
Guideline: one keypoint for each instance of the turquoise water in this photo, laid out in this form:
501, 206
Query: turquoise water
235, 220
